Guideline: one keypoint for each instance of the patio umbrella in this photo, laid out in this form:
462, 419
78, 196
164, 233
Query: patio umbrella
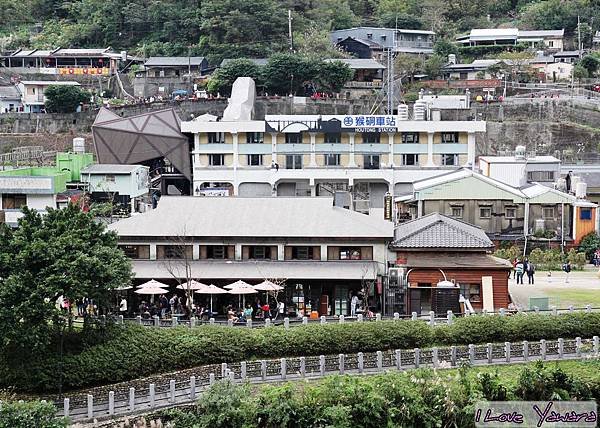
123, 288
237, 284
242, 291
211, 289
193, 286
150, 290
153, 284
267, 285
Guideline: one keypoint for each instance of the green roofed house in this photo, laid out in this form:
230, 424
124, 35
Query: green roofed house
40, 187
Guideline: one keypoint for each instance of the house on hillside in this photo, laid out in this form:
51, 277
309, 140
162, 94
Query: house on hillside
443, 262
162, 75
33, 93
546, 39
10, 99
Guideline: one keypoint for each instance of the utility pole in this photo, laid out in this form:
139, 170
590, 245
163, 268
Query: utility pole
290, 35
190, 71
578, 36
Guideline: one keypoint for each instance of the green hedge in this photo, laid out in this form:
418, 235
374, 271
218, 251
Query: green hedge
135, 351
30, 414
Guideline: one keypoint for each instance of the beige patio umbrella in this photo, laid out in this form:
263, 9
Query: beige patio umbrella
193, 285
242, 291
211, 289
153, 283
150, 290
267, 285
238, 283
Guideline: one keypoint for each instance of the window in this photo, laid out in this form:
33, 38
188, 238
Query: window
449, 159
109, 178
136, 251
371, 161
293, 162
216, 137
173, 252
260, 252
333, 138
371, 137
449, 137
293, 138
350, 253
585, 213
410, 159
456, 212
464, 76
550, 43
511, 213
13, 202
548, 212
540, 176
383, 38
332, 159
485, 212
369, 36
472, 292
254, 137
216, 160
216, 252
255, 160
302, 253
410, 138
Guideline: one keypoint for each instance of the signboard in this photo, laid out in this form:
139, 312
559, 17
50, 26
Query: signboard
83, 71
387, 207
26, 184
370, 123
214, 191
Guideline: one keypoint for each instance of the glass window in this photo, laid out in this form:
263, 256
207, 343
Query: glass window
472, 292
136, 251
216, 137
293, 138
511, 213
540, 176
410, 138
333, 138
449, 159
457, 212
254, 137
302, 253
13, 202
255, 160
585, 214
371, 161
260, 252
109, 178
332, 159
216, 252
449, 137
410, 159
485, 212
293, 162
350, 253
216, 160
548, 212
371, 137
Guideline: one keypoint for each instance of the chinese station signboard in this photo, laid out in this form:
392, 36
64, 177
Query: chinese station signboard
370, 123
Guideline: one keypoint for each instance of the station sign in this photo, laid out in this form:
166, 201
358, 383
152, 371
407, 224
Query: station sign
370, 123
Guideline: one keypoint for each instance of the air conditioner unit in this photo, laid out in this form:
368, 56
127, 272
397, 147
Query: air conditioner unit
396, 277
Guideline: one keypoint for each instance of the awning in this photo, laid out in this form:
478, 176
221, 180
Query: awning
459, 261
250, 269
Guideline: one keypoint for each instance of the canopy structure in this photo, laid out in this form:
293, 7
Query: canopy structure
153, 284
238, 284
192, 285
135, 139
150, 290
267, 285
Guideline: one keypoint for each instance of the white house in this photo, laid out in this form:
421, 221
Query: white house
33, 93
10, 99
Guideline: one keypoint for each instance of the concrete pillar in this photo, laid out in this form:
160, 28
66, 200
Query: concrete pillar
152, 251
303, 366
542, 349
274, 147
243, 370
391, 149
152, 394
131, 399
351, 160
313, 154
90, 406
280, 252
111, 403
470, 150
238, 252
196, 251
236, 160
361, 362
430, 149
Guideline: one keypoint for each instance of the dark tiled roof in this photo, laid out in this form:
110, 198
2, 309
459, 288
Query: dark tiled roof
439, 231
458, 261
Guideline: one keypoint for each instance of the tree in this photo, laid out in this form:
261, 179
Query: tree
222, 79
288, 73
408, 65
314, 42
444, 47
64, 99
590, 63
580, 72
589, 244
62, 253
517, 64
179, 264
333, 75
433, 66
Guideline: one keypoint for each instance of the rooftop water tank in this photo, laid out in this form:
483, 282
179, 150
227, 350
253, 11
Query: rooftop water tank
402, 112
581, 190
520, 152
420, 110
78, 145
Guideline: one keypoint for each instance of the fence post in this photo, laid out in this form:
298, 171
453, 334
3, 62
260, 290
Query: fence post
131, 399
283, 367
341, 319
467, 313
578, 347
249, 323
561, 347
152, 393
554, 310
139, 319
507, 351
229, 323
103, 319
243, 370
396, 316
223, 369
417, 352
377, 317
588, 308
211, 320
379, 355
172, 390
263, 369
361, 362
192, 322
322, 365
596, 344
111, 403
90, 406
192, 388
359, 318
286, 323
453, 356
490, 353
120, 319
398, 354
571, 309
413, 316
174, 321
231, 376
502, 312
449, 316
471, 354
525, 350
323, 319
431, 318
211, 379
156, 321
303, 367
434, 357
268, 322
341, 363
304, 320
543, 349
66, 406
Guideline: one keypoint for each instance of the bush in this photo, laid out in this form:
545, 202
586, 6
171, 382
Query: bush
508, 253
30, 414
133, 352
589, 244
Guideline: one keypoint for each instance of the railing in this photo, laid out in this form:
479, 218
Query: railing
355, 84
129, 400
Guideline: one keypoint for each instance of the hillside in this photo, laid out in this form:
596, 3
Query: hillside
232, 28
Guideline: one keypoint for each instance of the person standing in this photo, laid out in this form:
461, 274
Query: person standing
353, 304
530, 273
567, 269
519, 269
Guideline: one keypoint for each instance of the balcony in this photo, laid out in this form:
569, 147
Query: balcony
363, 85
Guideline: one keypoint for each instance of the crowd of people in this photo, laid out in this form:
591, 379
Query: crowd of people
522, 268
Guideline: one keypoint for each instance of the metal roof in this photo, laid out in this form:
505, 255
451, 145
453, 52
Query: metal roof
439, 231
512, 159
257, 61
49, 82
111, 168
9, 92
454, 261
541, 33
253, 217
359, 64
39, 53
400, 30
174, 61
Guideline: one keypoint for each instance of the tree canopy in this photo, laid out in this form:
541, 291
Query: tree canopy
64, 99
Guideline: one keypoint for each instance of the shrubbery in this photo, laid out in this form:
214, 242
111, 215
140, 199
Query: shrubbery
129, 353
30, 414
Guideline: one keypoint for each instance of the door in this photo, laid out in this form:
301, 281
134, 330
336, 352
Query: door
415, 300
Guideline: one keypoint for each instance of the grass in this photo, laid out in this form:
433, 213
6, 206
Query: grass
578, 298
